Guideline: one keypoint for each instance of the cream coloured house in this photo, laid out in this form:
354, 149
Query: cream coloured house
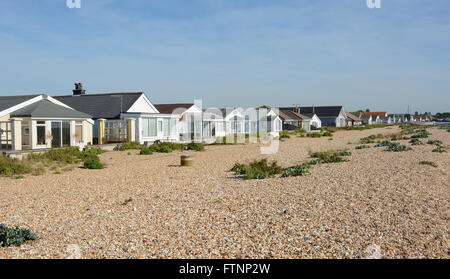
35, 122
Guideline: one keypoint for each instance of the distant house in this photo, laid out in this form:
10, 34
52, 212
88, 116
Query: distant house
126, 116
234, 121
365, 118
421, 118
315, 122
213, 124
378, 117
353, 119
189, 115
400, 118
269, 120
292, 120
329, 115
36, 122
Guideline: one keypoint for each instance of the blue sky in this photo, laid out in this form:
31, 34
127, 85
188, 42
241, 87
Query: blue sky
233, 53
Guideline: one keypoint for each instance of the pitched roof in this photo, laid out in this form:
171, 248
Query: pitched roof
320, 111
379, 113
7, 102
352, 116
289, 115
108, 105
170, 108
47, 109
365, 116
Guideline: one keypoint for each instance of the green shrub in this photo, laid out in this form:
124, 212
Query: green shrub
313, 135
166, 147
415, 142
331, 156
131, 145
344, 153
146, 151
396, 147
69, 155
163, 147
362, 147
369, 139
238, 169
314, 162
195, 146
439, 149
14, 236
420, 134
284, 135
96, 150
119, 147
384, 143
300, 131
10, 167
257, 169
435, 142
433, 164
91, 161
298, 170
327, 134
36, 163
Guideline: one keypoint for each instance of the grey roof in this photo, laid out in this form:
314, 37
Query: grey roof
47, 109
7, 102
310, 115
289, 115
353, 116
108, 105
320, 111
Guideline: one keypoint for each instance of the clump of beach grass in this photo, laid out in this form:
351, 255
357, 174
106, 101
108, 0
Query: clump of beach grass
433, 164
257, 169
362, 147
331, 156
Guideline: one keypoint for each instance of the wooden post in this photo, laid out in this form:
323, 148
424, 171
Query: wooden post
101, 130
16, 134
131, 129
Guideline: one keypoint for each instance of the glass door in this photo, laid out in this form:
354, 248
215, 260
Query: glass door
56, 134
60, 133
65, 133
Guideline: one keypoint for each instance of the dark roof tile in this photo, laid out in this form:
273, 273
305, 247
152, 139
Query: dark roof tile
108, 105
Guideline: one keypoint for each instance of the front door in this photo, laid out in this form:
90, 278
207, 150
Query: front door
60, 133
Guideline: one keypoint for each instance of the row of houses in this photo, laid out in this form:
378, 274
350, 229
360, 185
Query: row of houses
34, 122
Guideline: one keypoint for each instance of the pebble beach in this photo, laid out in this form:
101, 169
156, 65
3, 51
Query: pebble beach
150, 207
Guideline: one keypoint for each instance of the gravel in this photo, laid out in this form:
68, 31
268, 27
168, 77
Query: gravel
149, 207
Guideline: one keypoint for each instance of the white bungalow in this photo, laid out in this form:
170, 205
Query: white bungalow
213, 124
269, 120
121, 117
189, 115
37, 122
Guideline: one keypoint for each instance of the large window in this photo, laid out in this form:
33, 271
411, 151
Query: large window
40, 126
173, 127
166, 127
149, 127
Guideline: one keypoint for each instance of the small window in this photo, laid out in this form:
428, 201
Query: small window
78, 131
